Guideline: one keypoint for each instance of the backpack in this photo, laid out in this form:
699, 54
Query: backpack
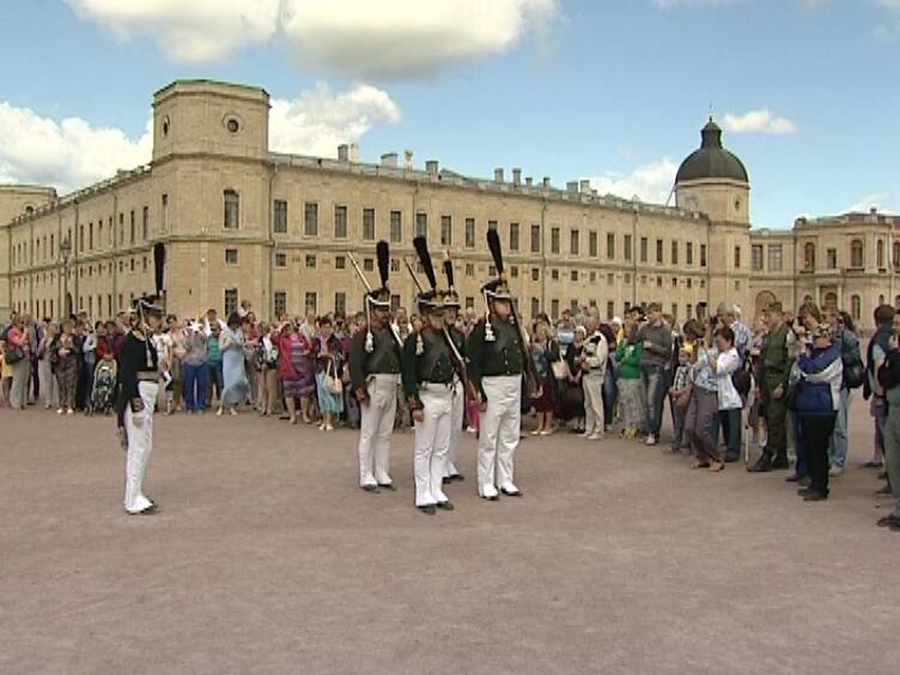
742, 378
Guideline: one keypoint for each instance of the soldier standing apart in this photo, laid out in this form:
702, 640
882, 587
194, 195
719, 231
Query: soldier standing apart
138, 389
497, 360
374, 368
775, 368
428, 374
451, 314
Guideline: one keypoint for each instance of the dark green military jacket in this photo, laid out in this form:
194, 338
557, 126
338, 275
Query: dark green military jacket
384, 359
434, 365
775, 363
489, 358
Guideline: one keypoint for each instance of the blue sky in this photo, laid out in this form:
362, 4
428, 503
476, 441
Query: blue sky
615, 91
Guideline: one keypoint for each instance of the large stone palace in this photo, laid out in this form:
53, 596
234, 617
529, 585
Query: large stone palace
216, 218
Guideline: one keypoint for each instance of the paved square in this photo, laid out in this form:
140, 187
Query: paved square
266, 558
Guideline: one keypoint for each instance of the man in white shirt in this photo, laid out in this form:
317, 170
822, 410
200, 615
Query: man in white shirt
593, 364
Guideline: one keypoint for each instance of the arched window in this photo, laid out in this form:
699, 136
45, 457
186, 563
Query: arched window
809, 256
232, 210
879, 254
855, 307
856, 254
897, 254
829, 302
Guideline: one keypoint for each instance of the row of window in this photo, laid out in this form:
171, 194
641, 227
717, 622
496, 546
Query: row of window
90, 237
857, 255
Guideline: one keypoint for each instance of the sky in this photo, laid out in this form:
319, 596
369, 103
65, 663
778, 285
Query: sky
614, 91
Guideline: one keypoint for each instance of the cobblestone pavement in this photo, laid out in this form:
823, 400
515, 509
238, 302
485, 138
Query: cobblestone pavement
266, 558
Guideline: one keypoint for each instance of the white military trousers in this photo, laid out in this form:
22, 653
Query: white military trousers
139, 431
375, 427
458, 407
499, 428
432, 443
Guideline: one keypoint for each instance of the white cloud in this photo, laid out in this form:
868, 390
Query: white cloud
651, 182
72, 153
761, 121
318, 120
408, 37
68, 154
875, 200
196, 31
389, 38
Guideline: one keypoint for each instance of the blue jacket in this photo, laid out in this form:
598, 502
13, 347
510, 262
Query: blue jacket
822, 374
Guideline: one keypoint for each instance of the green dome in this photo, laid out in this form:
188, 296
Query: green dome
711, 161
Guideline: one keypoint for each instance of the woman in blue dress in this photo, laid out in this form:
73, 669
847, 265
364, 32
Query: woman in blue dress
329, 366
236, 386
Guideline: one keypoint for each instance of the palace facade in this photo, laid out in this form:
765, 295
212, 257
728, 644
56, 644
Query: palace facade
216, 218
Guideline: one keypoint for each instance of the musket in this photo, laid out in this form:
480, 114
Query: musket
523, 341
368, 286
460, 361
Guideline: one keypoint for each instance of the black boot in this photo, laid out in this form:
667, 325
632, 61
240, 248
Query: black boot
763, 464
781, 461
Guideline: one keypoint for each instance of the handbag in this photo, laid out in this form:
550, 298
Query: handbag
854, 375
13, 354
683, 400
560, 369
333, 383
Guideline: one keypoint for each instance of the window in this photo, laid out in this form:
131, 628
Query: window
368, 232
831, 258
610, 310
756, 257
280, 260
311, 219
659, 250
674, 282
855, 307
775, 260
470, 270
280, 303
232, 211
643, 257
896, 256
535, 307
131, 222
610, 246
81, 238
310, 261
492, 271
535, 238
535, 273
446, 231
368, 264
737, 257
90, 240
492, 224
659, 282
554, 308
592, 244
231, 301
470, 301
675, 252
513, 236
689, 282
396, 226
340, 302
674, 311
165, 215
879, 254
573, 275
610, 279
593, 277
231, 256
395, 265
311, 302
470, 233
131, 264
279, 225
574, 242
340, 222
340, 262
689, 253
702, 255
627, 246
421, 224
514, 272
554, 274
809, 256
856, 253
554, 240
145, 223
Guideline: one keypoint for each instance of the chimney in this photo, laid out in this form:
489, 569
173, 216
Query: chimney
498, 175
431, 166
517, 176
572, 186
546, 182
873, 210
529, 181
344, 153
354, 153
585, 186
389, 160
408, 160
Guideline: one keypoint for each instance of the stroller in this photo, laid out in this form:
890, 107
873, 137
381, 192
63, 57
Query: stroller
103, 395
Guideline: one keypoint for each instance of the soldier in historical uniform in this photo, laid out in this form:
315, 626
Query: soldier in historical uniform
497, 360
374, 368
138, 382
451, 313
775, 368
429, 371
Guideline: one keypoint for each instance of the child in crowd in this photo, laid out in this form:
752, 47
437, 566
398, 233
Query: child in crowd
680, 391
